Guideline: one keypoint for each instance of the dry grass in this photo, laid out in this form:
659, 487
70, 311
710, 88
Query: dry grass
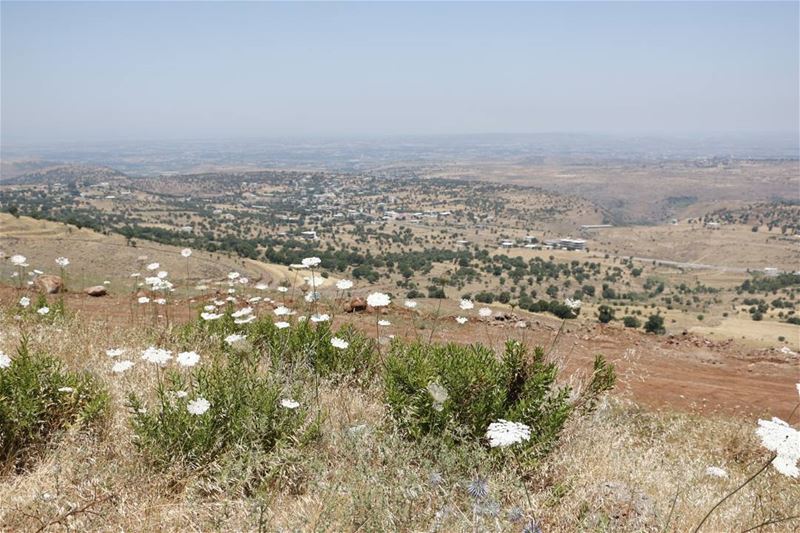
370, 479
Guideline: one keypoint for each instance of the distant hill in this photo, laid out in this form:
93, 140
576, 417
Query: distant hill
82, 174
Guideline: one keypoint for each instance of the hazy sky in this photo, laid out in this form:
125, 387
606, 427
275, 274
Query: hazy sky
90, 71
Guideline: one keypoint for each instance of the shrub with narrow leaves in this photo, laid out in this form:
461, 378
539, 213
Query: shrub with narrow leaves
39, 399
229, 408
457, 391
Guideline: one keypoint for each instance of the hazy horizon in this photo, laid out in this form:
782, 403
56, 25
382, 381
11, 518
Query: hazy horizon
128, 72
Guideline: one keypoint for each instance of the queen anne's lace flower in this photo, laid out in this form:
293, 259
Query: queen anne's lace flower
320, 317
234, 338
344, 284
210, 316
572, 304
242, 312
5, 361
288, 403
187, 359
461, 320
63, 262
411, 304
311, 262
186, 252
378, 299
18, 260
158, 356
781, 438
466, 305
342, 344
504, 433
122, 366
384, 323
24, 301
198, 407
485, 312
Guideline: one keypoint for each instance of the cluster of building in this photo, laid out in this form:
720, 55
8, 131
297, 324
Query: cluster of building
531, 243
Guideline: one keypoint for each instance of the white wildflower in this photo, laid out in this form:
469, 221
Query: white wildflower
344, 284
384, 323
320, 317
181, 394
5, 361
234, 338
198, 407
186, 252
158, 356
378, 299
143, 299
282, 325
461, 320
244, 320
262, 286
187, 359
66, 389
342, 344
233, 275
485, 312
282, 310
311, 262
153, 266
211, 316
242, 312
289, 403
43, 310
63, 262
572, 304
504, 433
466, 305
781, 438
115, 352
411, 304
24, 301
19, 260
122, 366
312, 296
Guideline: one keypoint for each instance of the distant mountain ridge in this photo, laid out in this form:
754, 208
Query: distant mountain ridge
64, 174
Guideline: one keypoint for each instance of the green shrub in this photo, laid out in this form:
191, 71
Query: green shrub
39, 399
655, 324
605, 314
457, 391
631, 321
245, 418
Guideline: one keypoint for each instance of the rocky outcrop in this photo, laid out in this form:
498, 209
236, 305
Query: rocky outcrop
356, 305
96, 291
49, 284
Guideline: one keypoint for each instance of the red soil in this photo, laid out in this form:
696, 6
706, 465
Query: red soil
687, 372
